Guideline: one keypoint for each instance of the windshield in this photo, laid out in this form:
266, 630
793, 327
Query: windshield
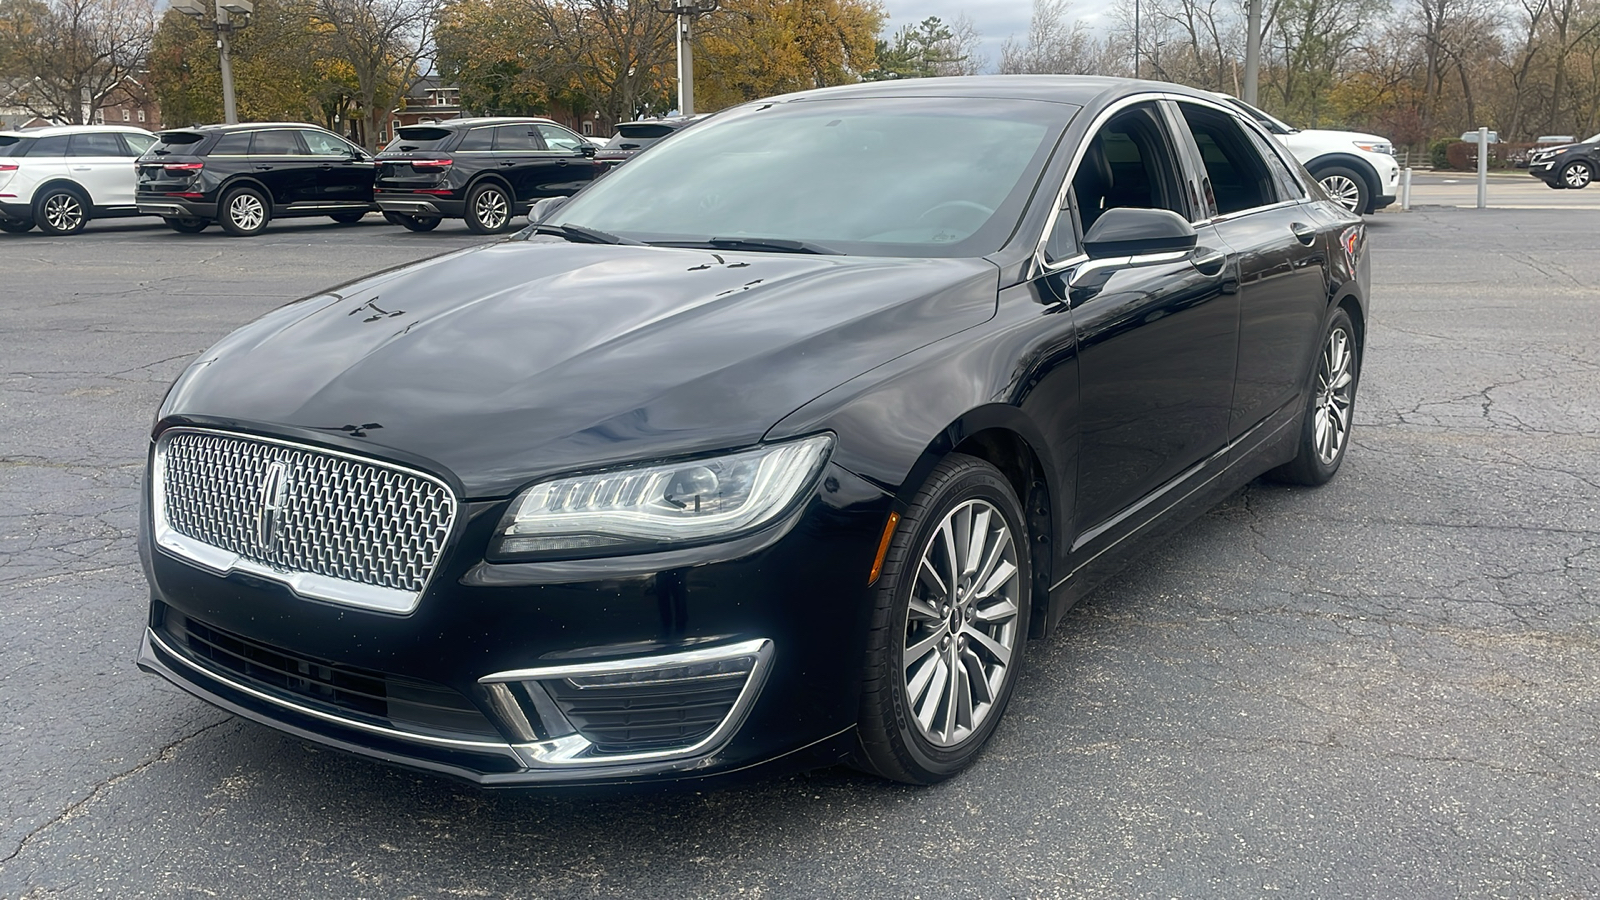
1593, 138
1273, 125
885, 177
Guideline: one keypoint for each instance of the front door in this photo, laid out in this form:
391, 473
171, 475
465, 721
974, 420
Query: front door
344, 173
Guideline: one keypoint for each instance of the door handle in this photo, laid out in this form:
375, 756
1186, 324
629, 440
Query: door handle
263, 168
1303, 233
1210, 263
83, 168
508, 164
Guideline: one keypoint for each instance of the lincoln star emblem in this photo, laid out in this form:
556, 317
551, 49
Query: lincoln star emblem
274, 489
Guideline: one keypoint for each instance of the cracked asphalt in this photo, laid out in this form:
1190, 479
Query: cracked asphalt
1385, 687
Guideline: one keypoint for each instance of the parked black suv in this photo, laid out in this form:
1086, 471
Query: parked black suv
485, 171
633, 137
244, 176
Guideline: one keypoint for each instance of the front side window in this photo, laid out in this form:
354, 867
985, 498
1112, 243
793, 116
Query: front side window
277, 142
320, 143
557, 138
1128, 163
904, 176
1236, 175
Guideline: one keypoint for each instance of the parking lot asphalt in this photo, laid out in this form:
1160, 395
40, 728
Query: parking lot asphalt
1385, 687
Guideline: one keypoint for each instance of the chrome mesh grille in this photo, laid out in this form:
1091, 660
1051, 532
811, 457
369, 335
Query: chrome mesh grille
295, 509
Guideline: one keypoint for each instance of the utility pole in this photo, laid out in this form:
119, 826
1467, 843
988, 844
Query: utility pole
225, 18
686, 11
1252, 52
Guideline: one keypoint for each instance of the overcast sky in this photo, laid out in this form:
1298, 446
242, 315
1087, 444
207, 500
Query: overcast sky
996, 19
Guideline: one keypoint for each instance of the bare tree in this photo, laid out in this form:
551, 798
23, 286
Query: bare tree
1056, 44
66, 56
384, 42
613, 53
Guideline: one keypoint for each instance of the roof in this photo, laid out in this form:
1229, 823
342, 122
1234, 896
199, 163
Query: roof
1079, 90
245, 126
483, 120
48, 130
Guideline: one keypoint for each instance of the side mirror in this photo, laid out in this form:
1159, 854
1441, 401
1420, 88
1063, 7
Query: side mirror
544, 208
1127, 231
588, 150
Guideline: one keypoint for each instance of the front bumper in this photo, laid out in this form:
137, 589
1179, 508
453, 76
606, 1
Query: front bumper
785, 613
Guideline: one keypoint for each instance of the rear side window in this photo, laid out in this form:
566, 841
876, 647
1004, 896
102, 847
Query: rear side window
1236, 175
55, 145
646, 132
181, 143
235, 144
277, 142
11, 145
415, 138
97, 144
478, 139
517, 137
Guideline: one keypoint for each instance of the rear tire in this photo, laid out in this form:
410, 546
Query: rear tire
187, 226
394, 218
60, 211
947, 632
245, 212
1347, 188
16, 227
419, 223
347, 218
488, 209
1330, 408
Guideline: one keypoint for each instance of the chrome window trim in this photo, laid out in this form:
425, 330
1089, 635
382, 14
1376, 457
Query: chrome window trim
305, 584
567, 751
1246, 122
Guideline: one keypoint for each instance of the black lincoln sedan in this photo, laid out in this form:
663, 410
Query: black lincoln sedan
244, 176
1566, 166
773, 448
485, 171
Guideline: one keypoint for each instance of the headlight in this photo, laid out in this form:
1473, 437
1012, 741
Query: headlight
1383, 147
660, 507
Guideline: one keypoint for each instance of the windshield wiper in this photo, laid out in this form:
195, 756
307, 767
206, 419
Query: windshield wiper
779, 245
581, 235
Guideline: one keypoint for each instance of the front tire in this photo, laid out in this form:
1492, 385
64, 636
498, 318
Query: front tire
1330, 408
186, 225
1346, 187
1576, 175
488, 209
948, 628
60, 211
245, 212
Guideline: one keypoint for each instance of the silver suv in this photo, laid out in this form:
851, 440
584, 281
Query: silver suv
61, 176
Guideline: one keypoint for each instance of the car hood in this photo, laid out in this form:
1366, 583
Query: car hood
520, 359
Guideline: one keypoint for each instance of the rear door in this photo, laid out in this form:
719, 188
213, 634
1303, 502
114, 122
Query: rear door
1282, 266
279, 160
99, 161
45, 158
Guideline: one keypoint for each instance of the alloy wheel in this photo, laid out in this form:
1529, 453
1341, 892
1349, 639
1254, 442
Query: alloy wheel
961, 634
491, 209
1335, 395
1577, 176
63, 212
247, 212
1343, 190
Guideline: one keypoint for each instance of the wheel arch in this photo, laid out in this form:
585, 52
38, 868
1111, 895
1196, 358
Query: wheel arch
1352, 162
493, 176
998, 435
238, 181
61, 181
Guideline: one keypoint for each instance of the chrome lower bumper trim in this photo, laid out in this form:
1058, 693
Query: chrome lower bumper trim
171, 210
408, 207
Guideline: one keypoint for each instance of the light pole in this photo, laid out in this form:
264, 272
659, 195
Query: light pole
227, 17
686, 11
1252, 52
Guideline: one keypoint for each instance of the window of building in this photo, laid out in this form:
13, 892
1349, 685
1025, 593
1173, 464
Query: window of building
127, 116
141, 115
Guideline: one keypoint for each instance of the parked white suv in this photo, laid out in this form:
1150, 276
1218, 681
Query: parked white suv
1358, 170
61, 176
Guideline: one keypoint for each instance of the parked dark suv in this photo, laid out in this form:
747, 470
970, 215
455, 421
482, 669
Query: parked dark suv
244, 176
633, 137
485, 171
1566, 166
